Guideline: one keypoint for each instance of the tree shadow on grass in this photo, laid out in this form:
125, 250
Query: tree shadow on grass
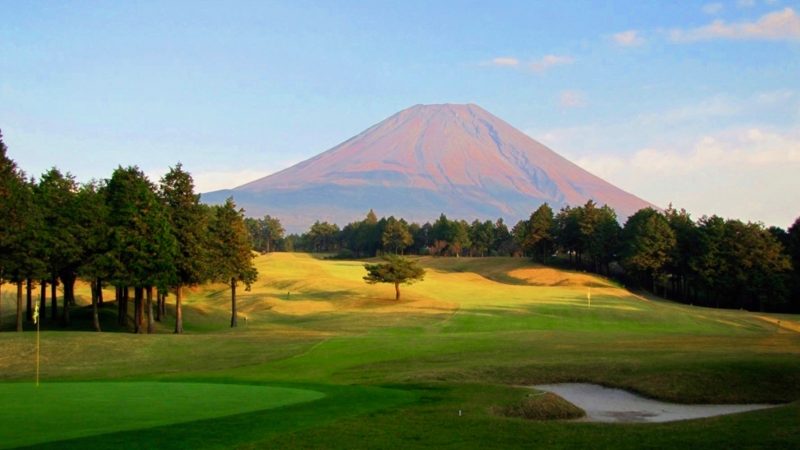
248, 428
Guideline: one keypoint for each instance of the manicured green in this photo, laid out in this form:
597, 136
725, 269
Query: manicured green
395, 374
57, 411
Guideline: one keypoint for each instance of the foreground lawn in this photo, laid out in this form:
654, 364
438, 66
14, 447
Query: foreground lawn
396, 374
56, 411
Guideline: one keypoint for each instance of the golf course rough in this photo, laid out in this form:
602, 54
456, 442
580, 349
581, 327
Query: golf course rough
59, 411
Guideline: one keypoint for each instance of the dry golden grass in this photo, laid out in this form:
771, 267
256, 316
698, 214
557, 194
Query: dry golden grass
782, 323
546, 276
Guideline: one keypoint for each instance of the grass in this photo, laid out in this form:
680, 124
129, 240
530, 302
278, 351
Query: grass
57, 411
395, 374
541, 406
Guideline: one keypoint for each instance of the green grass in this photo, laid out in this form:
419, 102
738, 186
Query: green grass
57, 411
395, 374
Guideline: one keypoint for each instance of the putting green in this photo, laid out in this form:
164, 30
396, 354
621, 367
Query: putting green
57, 411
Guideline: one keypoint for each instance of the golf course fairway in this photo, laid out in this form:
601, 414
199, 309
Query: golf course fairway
58, 411
321, 359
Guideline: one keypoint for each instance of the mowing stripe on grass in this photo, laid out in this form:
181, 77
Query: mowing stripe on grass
58, 411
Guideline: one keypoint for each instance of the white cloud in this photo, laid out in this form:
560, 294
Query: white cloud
774, 26
571, 99
715, 156
550, 61
677, 125
774, 97
504, 61
630, 38
539, 65
717, 106
747, 173
713, 8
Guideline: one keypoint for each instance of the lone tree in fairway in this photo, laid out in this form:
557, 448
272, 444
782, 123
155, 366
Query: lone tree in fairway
395, 270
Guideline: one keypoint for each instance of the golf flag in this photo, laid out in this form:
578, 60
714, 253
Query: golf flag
36, 321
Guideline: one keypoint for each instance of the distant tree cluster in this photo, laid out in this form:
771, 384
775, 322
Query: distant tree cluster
124, 232
266, 234
711, 261
373, 236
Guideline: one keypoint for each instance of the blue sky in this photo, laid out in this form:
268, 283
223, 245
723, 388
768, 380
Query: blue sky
695, 103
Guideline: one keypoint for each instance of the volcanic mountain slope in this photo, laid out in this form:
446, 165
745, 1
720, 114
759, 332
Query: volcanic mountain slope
428, 159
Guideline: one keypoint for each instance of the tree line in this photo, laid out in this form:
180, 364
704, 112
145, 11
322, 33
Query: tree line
154, 239
724, 263
123, 232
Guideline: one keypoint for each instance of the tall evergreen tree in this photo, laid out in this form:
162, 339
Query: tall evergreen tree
255, 227
568, 233
323, 236
97, 264
272, 232
482, 235
649, 243
442, 234
588, 217
752, 265
396, 236
143, 248
604, 245
16, 208
422, 237
503, 243
461, 238
705, 264
231, 251
686, 246
538, 239
189, 223
56, 196
20, 231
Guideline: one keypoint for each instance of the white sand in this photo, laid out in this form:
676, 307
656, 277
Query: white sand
604, 404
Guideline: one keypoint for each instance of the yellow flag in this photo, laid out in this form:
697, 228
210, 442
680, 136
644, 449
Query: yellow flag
36, 314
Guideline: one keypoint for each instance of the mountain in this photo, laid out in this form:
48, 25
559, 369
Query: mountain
425, 160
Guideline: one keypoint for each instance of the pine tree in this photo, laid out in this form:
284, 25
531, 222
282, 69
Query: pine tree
396, 235
93, 221
396, 270
649, 243
61, 233
272, 232
16, 211
538, 239
189, 223
143, 247
231, 251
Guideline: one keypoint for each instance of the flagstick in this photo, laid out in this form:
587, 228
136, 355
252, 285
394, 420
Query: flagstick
36, 321
37, 353
589, 297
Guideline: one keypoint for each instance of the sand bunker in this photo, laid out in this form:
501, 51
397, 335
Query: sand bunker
603, 404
